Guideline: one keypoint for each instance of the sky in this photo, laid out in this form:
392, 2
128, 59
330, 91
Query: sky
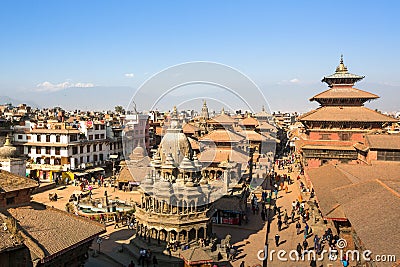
96, 54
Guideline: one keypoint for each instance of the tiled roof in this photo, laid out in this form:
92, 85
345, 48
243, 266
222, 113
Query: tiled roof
8, 240
266, 126
222, 119
249, 121
222, 135
373, 210
344, 92
221, 154
11, 182
55, 231
324, 179
383, 141
195, 255
323, 143
343, 75
328, 147
194, 143
345, 114
378, 170
190, 128
134, 170
253, 136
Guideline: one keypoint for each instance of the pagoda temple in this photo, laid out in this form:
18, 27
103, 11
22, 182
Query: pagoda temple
340, 122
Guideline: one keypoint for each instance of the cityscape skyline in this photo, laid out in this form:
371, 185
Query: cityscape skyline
95, 56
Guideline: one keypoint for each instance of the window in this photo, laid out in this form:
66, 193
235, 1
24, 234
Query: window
91, 137
73, 137
57, 161
102, 127
38, 138
345, 137
19, 136
389, 155
47, 161
38, 150
81, 150
48, 138
101, 157
96, 136
81, 160
88, 149
38, 160
101, 136
94, 157
88, 159
94, 147
48, 150
58, 138
74, 150
100, 147
325, 137
58, 150
10, 200
111, 146
28, 137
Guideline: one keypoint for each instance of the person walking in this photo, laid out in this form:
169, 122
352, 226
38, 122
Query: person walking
298, 227
242, 264
286, 219
292, 215
305, 244
313, 263
306, 228
277, 237
280, 224
316, 240
263, 214
299, 249
155, 261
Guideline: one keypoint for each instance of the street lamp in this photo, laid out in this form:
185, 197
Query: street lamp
113, 158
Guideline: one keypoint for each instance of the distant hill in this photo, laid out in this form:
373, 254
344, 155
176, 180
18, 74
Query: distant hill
16, 102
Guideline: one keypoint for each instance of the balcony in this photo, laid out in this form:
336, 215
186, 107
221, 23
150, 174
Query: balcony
48, 167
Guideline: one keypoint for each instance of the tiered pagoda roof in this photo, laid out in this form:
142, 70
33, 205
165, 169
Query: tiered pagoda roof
342, 102
342, 76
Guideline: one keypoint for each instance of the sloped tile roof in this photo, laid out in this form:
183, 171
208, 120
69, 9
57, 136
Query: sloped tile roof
345, 114
344, 92
383, 141
55, 231
373, 210
11, 182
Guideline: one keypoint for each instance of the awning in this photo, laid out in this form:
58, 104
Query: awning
79, 173
98, 169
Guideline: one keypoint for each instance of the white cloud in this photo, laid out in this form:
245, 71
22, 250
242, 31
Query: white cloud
286, 82
51, 87
129, 75
295, 80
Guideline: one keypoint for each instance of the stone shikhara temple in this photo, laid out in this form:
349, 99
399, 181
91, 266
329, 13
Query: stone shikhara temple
177, 194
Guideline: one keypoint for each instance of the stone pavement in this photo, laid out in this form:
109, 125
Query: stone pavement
112, 240
250, 239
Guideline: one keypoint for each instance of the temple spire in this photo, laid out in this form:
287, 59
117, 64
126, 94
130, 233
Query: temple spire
204, 111
341, 68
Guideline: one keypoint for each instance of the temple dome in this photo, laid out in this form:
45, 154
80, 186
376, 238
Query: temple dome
174, 142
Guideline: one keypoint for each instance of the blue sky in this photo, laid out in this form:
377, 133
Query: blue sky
50, 49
